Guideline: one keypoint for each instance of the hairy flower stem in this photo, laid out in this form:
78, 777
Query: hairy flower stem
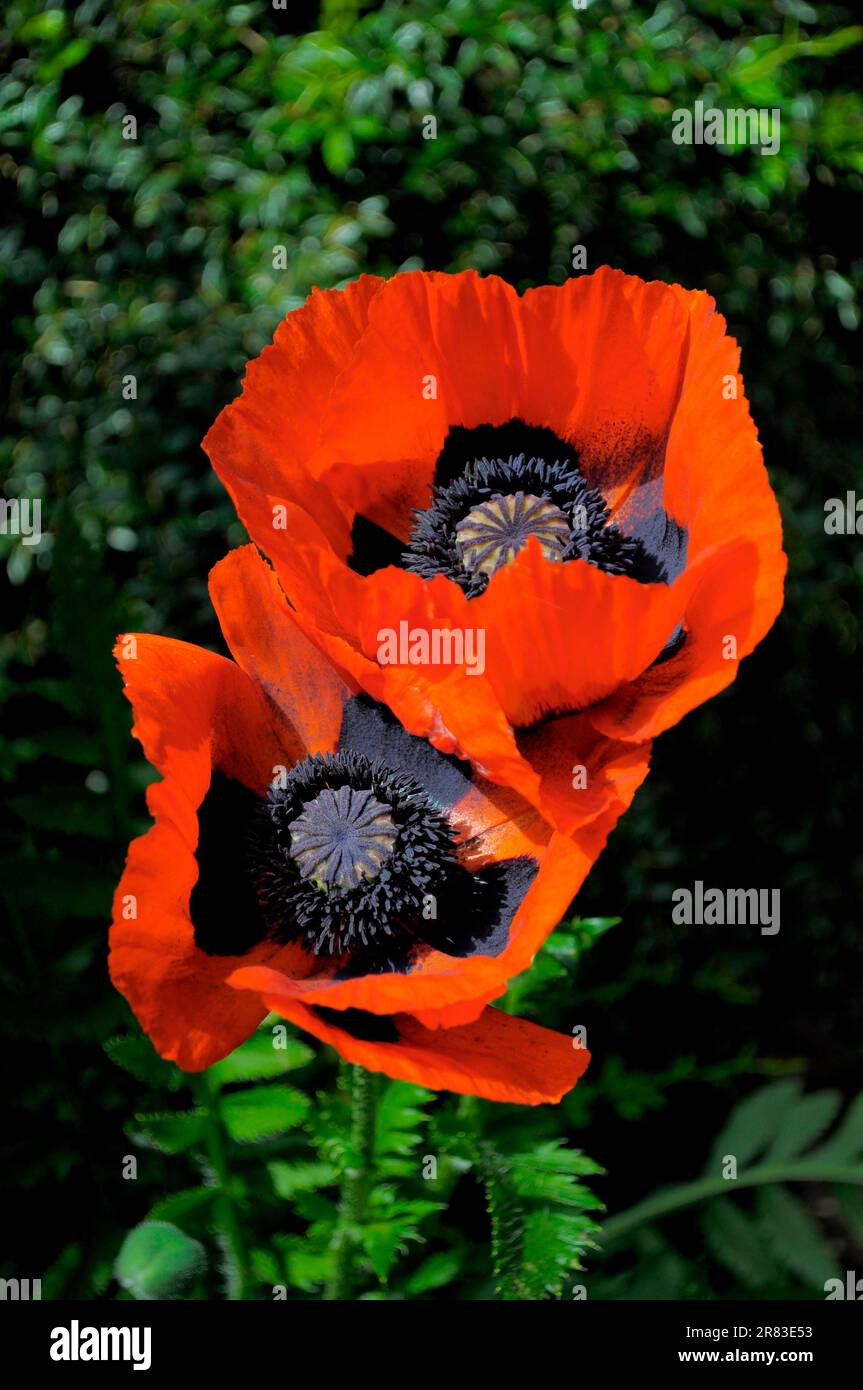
357, 1181
227, 1216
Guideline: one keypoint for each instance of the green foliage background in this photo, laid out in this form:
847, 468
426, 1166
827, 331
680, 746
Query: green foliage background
302, 128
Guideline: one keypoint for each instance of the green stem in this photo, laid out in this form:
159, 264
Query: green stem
506, 1216
357, 1181
226, 1211
654, 1208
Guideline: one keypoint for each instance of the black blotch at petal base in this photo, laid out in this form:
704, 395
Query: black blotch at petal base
359, 1024
223, 906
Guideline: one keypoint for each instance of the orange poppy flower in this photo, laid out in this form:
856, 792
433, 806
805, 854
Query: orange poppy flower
311, 856
573, 473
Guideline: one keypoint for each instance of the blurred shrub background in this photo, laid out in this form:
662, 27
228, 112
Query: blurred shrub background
302, 128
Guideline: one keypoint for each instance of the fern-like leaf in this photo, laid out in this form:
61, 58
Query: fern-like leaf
754, 1226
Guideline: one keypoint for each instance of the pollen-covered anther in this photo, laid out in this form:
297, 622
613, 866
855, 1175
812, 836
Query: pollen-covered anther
342, 837
495, 531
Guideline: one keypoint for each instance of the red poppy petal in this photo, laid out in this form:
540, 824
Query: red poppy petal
567, 861
438, 350
606, 355
178, 993
269, 645
345, 615
194, 709
720, 609
720, 505
735, 558
496, 1056
583, 775
261, 444
439, 982
562, 636
464, 714
452, 1015
494, 822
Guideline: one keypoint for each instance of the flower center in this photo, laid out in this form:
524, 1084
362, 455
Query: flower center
495, 531
344, 855
482, 519
342, 837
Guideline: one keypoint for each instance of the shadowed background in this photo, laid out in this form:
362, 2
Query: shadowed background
259, 128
